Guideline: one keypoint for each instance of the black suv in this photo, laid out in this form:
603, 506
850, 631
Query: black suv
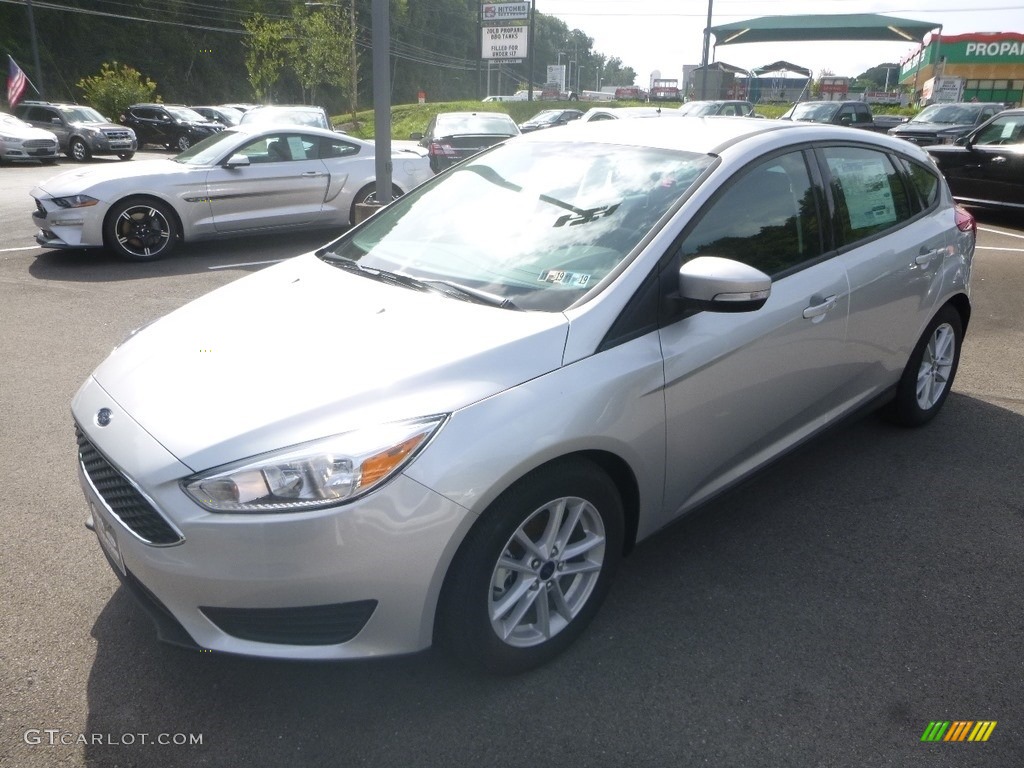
81, 131
945, 123
170, 125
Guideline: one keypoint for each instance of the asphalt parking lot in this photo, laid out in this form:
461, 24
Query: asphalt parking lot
822, 614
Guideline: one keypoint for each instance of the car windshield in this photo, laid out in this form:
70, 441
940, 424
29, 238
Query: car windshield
547, 116
710, 108
310, 117
82, 115
535, 225
493, 124
691, 107
12, 121
949, 114
815, 113
186, 114
209, 150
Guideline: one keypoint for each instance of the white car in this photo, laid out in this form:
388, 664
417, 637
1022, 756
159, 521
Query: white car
24, 143
440, 427
240, 181
596, 114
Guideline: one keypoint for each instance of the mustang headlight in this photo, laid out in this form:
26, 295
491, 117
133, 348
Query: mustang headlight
75, 201
318, 474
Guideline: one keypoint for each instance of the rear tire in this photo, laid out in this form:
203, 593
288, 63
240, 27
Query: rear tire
126, 155
182, 143
534, 569
928, 377
368, 194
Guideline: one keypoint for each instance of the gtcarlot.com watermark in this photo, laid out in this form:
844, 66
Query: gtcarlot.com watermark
53, 737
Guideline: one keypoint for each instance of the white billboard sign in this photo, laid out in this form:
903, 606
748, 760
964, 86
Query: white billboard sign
499, 12
504, 43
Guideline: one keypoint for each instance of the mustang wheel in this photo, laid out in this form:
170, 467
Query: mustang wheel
79, 151
368, 194
929, 374
140, 229
533, 571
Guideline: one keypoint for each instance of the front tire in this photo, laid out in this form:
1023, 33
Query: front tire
140, 229
126, 155
928, 377
79, 151
534, 570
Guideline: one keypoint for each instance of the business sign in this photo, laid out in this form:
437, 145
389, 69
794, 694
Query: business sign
556, 74
497, 13
504, 43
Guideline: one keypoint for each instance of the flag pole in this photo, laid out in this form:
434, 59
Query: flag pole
35, 49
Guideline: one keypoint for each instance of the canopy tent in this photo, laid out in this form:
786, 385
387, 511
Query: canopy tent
781, 66
843, 26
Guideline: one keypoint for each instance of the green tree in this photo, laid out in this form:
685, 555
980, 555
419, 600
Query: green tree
116, 87
319, 49
266, 48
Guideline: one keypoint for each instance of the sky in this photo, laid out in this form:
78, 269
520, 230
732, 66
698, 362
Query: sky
664, 35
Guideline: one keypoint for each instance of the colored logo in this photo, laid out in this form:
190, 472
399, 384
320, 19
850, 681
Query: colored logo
958, 730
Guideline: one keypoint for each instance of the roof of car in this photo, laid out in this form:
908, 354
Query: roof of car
710, 135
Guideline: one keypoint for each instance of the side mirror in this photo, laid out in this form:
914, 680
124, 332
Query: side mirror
55, 121
417, 136
715, 284
237, 161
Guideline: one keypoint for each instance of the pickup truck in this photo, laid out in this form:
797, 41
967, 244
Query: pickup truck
856, 114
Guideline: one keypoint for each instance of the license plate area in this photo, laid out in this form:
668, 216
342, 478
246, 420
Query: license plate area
107, 534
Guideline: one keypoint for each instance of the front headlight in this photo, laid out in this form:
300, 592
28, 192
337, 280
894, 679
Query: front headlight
313, 475
10, 139
75, 201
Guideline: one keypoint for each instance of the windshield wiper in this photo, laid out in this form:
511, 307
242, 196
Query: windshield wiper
474, 294
445, 287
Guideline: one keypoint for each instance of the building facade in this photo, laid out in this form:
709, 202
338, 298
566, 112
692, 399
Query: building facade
990, 64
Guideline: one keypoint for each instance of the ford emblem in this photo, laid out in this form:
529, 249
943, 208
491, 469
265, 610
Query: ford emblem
103, 417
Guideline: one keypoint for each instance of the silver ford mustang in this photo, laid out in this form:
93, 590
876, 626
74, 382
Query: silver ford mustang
451, 423
240, 181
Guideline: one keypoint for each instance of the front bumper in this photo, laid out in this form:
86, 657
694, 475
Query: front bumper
353, 581
67, 227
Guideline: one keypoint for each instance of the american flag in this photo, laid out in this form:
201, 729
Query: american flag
16, 81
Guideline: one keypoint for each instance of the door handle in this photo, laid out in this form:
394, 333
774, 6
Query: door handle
998, 159
925, 258
311, 173
816, 310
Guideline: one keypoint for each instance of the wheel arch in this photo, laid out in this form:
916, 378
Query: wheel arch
962, 305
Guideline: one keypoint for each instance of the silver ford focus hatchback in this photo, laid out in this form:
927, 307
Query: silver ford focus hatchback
450, 424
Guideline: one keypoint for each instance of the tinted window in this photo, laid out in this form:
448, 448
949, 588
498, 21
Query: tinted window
767, 219
925, 182
868, 192
1006, 129
487, 124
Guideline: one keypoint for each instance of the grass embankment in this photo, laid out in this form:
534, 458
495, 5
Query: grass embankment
413, 118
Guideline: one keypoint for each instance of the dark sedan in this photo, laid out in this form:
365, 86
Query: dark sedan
454, 136
986, 170
549, 118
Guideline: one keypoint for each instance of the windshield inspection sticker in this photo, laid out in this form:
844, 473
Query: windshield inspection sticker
561, 277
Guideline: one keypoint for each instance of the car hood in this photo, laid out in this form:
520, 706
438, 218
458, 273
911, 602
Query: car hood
911, 126
100, 125
305, 350
78, 180
26, 133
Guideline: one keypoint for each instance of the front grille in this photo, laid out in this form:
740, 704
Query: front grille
117, 135
38, 143
307, 625
124, 501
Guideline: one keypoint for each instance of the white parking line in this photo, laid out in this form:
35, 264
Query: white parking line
1001, 232
246, 264
993, 248
26, 248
